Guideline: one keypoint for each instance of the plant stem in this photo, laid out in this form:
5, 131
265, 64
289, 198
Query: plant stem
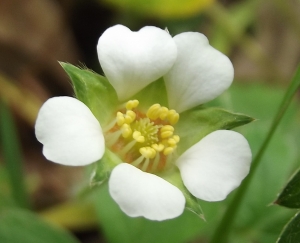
222, 232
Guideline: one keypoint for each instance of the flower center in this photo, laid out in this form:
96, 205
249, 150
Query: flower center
145, 140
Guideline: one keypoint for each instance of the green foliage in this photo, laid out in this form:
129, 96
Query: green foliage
94, 91
23, 226
290, 196
198, 122
291, 233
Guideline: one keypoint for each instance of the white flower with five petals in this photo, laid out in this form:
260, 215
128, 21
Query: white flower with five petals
145, 140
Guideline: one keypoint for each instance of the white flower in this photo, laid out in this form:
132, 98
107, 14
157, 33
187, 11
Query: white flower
194, 73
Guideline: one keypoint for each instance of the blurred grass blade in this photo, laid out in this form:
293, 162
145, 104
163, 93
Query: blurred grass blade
222, 231
12, 156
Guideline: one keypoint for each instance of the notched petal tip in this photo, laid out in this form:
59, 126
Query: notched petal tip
216, 165
70, 133
200, 73
143, 194
132, 60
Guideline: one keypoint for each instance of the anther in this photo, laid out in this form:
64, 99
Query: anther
130, 116
138, 136
163, 113
126, 130
153, 111
172, 142
158, 147
131, 104
176, 138
148, 152
173, 117
166, 131
168, 150
120, 118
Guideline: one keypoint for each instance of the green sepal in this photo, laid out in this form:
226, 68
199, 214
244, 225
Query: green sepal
94, 91
198, 122
291, 232
192, 203
103, 167
152, 94
290, 195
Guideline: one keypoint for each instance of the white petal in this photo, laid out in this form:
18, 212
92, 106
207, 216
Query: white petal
143, 194
70, 133
132, 60
199, 74
216, 165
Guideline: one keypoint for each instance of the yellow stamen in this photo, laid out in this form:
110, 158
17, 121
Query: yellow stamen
148, 152
173, 117
176, 138
168, 150
172, 142
138, 136
153, 111
166, 131
158, 147
131, 104
144, 140
130, 116
120, 118
163, 113
126, 130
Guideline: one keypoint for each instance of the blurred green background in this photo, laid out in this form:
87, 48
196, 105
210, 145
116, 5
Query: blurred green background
44, 202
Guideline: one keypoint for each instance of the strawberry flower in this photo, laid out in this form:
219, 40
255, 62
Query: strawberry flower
145, 142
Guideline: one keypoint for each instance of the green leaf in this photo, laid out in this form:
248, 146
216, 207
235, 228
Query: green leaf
290, 195
23, 226
196, 123
173, 176
93, 90
103, 167
291, 232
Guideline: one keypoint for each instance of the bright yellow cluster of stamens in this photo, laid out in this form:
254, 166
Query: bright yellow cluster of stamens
157, 111
152, 134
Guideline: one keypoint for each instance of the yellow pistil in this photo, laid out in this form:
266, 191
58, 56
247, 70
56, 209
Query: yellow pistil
146, 139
